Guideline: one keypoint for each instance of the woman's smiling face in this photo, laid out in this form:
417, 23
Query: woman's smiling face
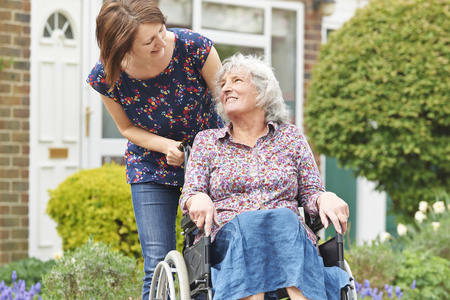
149, 42
238, 94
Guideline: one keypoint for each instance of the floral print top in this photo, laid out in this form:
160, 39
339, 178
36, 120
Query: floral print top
279, 171
175, 104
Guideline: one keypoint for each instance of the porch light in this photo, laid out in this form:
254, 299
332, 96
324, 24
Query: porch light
325, 7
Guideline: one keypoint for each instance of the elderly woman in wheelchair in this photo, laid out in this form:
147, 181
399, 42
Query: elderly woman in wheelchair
245, 184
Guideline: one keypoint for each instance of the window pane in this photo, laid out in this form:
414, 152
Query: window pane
228, 50
233, 18
283, 53
178, 13
109, 128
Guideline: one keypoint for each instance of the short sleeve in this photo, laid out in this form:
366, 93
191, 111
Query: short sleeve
197, 46
96, 80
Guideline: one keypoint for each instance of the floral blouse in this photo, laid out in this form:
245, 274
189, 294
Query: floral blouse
175, 104
279, 171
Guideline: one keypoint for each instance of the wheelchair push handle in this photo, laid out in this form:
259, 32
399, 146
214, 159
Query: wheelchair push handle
184, 147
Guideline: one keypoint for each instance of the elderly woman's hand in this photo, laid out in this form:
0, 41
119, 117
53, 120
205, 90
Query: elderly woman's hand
334, 208
202, 211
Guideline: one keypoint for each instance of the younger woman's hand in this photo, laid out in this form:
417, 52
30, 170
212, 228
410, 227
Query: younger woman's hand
174, 156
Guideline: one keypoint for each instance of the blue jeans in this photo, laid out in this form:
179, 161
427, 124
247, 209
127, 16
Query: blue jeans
155, 209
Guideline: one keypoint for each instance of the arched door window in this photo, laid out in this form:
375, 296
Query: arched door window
58, 22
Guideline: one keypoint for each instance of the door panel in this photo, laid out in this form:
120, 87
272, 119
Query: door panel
55, 113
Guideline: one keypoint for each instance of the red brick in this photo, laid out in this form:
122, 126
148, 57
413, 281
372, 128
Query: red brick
5, 88
20, 210
11, 28
22, 137
4, 185
8, 173
23, 113
9, 198
25, 149
24, 196
5, 210
9, 76
20, 186
10, 4
21, 89
21, 17
25, 222
10, 100
15, 256
4, 234
5, 15
9, 124
9, 222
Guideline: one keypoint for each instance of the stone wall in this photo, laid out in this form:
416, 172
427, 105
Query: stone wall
14, 128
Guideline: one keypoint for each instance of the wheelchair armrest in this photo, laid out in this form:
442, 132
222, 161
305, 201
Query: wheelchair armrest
187, 223
332, 252
316, 225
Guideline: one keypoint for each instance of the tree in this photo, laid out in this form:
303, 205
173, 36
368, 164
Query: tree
379, 99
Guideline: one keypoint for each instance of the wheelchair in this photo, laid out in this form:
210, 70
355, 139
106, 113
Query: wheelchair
188, 275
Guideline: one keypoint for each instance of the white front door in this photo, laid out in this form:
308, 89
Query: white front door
55, 117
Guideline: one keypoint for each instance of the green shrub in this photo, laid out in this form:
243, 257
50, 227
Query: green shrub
96, 202
93, 271
375, 261
378, 99
30, 270
431, 273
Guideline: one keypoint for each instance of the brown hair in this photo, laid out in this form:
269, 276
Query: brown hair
117, 24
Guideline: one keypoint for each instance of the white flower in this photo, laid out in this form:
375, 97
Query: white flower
420, 216
73, 260
423, 206
401, 229
439, 207
385, 236
58, 255
435, 225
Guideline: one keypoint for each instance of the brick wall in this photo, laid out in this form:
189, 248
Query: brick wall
14, 128
313, 39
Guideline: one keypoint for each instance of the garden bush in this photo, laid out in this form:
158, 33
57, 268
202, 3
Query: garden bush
96, 202
378, 98
415, 264
430, 272
374, 261
29, 270
93, 271
430, 232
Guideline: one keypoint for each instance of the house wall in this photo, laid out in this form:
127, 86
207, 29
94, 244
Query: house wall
14, 128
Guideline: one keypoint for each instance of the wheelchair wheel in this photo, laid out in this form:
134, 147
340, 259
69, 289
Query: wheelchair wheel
350, 293
170, 280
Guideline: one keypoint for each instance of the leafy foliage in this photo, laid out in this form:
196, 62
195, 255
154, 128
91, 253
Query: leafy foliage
96, 202
93, 271
30, 270
431, 273
375, 261
378, 99
417, 262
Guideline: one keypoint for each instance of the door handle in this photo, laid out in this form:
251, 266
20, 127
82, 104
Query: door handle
87, 117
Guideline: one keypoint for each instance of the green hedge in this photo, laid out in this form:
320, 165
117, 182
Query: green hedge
379, 98
97, 202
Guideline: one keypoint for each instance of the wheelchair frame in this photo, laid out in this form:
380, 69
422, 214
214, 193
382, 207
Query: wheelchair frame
184, 277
